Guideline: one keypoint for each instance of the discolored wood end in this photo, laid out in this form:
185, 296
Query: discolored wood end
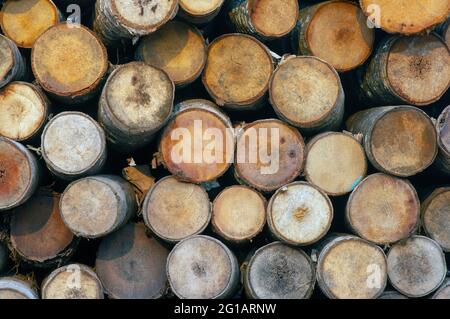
7, 58
335, 162
74, 281
444, 291
200, 8
416, 266
14, 288
392, 295
407, 16
443, 129
345, 266
237, 71
175, 210
436, 217
131, 265
277, 271
243, 204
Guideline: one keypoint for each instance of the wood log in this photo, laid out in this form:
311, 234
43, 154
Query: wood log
69, 62
175, 210
269, 154
16, 288
416, 266
444, 31
3, 257
12, 62
74, 281
239, 214
25, 110
351, 268
177, 48
237, 71
38, 234
411, 70
444, 291
299, 214
307, 92
201, 267
391, 294
264, 19
436, 217
131, 265
73, 145
335, 163
136, 102
405, 16
24, 21
383, 209
117, 19
199, 12
346, 45
19, 174
95, 206
399, 140
186, 148
277, 271
442, 162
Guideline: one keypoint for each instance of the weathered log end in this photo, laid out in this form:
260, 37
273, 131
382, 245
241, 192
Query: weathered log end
12, 63
442, 162
15, 288
444, 291
199, 12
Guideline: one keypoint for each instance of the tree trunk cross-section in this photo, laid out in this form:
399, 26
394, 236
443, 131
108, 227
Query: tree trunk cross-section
15, 288
442, 162
199, 11
12, 63
444, 291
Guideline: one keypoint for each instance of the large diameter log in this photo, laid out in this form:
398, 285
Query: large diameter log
174, 210
177, 48
74, 281
383, 209
335, 163
269, 154
237, 71
277, 271
25, 110
416, 266
19, 174
442, 162
73, 145
399, 140
199, 12
136, 102
307, 92
351, 268
406, 16
198, 143
131, 265
24, 21
201, 267
299, 214
264, 19
346, 45
407, 70
97, 205
12, 63
444, 291
69, 62
15, 288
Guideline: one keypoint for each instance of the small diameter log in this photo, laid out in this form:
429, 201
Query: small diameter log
335, 163
238, 71
399, 140
406, 16
15, 288
131, 265
25, 110
383, 209
19, 174
239, 214
73, 145
118, 19
346, 45
392, 295
12, 63
201, 267
444, 291
411, 70
299, 214
199, 12
136, 102
3, 257
97, 205
442, 162
69, 62
277, 271
436, 217
177, 48
351, 268
198, 143
25, 20
416, 266
74, 281
38, 234
175, 210
269, 154
307, 92
264, 19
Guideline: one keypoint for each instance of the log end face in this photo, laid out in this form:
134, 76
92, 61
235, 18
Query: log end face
274, 18
200, 8
14, 288
436, 217
444, 291
7, 59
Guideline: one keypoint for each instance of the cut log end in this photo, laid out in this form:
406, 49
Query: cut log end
14, 288
444, 291
436, 217
200, 8
7, 58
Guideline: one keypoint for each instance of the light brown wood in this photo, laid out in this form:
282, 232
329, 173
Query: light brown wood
199, 11
444, 291
15, 288
12, 63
